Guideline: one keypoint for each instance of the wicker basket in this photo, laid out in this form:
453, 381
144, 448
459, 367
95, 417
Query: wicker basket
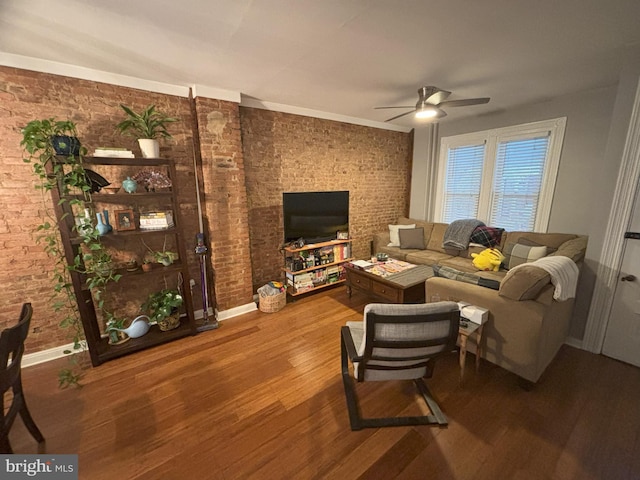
273, 303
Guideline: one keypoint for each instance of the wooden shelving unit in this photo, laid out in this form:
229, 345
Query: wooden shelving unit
99, 348
315, 266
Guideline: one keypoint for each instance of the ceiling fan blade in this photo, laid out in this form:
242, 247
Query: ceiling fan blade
464, 102
406, 106
438, 97
401, 115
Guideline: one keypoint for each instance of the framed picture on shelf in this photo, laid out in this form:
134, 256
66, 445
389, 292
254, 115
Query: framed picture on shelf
343, 236
124, 220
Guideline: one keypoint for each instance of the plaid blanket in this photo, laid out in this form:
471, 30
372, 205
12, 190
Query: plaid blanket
487, 236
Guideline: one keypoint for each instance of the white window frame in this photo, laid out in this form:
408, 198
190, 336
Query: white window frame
555, 128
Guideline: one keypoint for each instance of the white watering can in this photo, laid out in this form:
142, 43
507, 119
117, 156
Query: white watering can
139, 326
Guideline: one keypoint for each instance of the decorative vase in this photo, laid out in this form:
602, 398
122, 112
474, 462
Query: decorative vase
129, 185
150, 147
105, 214
101, 227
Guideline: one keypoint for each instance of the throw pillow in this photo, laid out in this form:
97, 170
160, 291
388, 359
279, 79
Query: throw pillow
516, 254
524, 283
453, 274
412, 238
574, 249
395, 235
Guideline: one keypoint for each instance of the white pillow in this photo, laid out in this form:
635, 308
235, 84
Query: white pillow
395, 235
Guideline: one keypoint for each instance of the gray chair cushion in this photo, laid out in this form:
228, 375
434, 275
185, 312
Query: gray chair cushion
400, 332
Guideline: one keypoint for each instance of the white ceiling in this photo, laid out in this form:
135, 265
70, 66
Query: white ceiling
339, 56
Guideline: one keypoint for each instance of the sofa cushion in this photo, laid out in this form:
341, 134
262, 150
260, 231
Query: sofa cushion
552, 240
453, 274
394, 235
574, 249
425, 257
437, 237
459, 263
412, 238
517, 253
524, 283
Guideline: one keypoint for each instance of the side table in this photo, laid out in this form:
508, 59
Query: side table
466, 329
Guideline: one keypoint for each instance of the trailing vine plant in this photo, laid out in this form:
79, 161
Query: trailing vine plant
67, 174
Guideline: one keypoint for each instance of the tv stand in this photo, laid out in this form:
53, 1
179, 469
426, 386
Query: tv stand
315, 266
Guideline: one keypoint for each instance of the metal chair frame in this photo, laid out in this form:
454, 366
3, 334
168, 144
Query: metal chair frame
349, 353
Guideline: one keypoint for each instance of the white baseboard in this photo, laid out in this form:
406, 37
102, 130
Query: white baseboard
31, 359
235, 311
574, 342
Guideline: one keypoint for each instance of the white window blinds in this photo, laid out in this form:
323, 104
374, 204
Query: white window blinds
504, 177
462, 182
517, 181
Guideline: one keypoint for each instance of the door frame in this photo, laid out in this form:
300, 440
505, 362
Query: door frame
611, 256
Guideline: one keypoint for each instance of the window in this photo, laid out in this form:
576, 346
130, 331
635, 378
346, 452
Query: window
504, 177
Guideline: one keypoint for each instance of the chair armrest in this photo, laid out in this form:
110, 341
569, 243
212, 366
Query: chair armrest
347, 340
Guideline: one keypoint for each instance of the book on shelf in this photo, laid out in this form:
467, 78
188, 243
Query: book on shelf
114, 152
156, 220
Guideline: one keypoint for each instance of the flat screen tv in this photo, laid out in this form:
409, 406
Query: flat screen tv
315, 216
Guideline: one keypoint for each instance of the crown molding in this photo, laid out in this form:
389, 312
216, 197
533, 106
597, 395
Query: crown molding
307, 112
205, 91
83, 73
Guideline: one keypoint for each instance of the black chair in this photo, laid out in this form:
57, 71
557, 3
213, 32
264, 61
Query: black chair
11, 351
397, 342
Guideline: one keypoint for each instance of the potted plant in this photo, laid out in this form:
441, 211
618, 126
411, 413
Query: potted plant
69, 178
163, 257
146, 265
51, 135
114, 328
147, 126
162, 307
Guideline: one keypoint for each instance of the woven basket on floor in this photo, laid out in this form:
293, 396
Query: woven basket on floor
273, 303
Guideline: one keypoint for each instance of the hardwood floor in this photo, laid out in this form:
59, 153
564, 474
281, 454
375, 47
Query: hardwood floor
262, 397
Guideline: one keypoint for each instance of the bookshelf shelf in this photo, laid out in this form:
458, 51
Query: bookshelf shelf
315, 266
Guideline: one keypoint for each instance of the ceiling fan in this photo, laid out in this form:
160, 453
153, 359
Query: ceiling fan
430, 99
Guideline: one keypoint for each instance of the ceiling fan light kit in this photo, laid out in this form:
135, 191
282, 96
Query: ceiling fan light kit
430, 99
429, 112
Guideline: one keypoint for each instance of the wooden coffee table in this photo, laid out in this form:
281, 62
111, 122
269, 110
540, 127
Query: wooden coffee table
406, 286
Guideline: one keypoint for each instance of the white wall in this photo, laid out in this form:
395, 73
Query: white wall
586, 176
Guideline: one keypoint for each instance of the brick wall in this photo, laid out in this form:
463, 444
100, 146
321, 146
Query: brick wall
243, 172
292, 153
225, 200
25, 269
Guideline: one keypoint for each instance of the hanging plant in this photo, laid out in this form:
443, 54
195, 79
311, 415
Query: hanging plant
67, 174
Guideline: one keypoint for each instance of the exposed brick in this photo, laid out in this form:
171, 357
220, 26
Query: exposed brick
249, 157
292, 153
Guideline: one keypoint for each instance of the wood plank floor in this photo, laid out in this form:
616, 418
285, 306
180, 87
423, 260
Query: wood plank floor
262, 398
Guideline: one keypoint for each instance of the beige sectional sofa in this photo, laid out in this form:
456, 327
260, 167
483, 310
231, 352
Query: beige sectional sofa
526, 324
